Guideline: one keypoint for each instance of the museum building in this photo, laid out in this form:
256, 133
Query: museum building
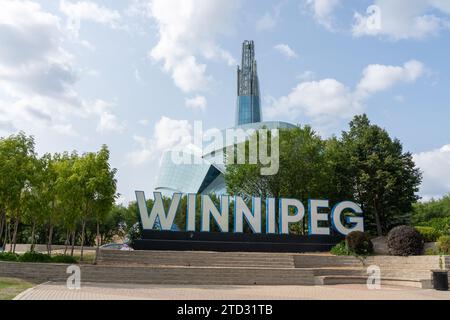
205, 174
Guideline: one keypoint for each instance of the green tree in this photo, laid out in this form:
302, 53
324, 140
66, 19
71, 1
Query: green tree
66, 204
103, 189
385, 179
54, 193
434, 213
98, 189
17, 157
34, 201
306, 171
433, 209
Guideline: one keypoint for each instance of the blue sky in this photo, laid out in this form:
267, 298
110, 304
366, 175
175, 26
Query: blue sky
136, 74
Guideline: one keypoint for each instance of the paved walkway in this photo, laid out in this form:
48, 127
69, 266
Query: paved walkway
56, 291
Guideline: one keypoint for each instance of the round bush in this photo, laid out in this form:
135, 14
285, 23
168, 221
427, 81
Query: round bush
429, 234
443, 245
405, 241
358, 242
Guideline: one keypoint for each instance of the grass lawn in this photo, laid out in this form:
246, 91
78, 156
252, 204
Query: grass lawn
88, 257
10, 287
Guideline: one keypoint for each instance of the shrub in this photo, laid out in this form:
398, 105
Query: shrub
341, 250
444, 245
64, 259
429, 234
432, 252
8, 256
405, 241
32, 256
359, 243
442, 225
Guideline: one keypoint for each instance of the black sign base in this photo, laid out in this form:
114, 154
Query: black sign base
233, 242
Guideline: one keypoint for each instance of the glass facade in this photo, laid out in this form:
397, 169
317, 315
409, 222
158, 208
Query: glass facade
180, 178
248, 110
248, 103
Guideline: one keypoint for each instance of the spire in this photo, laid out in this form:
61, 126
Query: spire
248, 105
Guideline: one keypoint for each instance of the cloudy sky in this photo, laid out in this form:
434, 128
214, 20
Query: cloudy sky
136, 74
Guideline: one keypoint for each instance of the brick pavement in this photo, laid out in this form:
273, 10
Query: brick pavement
58, 291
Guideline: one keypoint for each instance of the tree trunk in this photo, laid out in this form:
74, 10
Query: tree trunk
6, 234
2, 225
50, 239
14, 238
377, 220
83, 227
98, 243
73, 242
66, 243
32, 236
304, 226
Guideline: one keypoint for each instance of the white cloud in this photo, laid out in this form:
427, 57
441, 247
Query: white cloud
326, 98
328, 101
435, 166
404, 19
168, 134
270, 19
286, 50
187, 31
266, 22
380, 77
198, 102
37, 75
307, 75
322, 11
76, 12
143, 122
144, 152
108, 122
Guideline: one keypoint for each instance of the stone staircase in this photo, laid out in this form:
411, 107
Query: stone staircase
207, 268
213, 268
274, 268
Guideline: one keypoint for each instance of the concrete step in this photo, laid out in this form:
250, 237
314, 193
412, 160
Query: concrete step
161, 258
385, 281
385, 273
384, 262
340, 271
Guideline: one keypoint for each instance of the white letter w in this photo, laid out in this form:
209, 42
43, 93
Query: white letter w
158, 211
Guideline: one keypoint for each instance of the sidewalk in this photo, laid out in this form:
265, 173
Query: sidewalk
57, 291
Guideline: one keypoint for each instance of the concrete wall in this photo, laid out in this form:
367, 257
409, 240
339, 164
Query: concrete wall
388, 262
39, 273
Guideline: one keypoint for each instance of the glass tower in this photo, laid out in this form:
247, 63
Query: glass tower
248, 101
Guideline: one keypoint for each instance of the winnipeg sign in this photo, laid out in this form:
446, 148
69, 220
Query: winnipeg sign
344, 217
